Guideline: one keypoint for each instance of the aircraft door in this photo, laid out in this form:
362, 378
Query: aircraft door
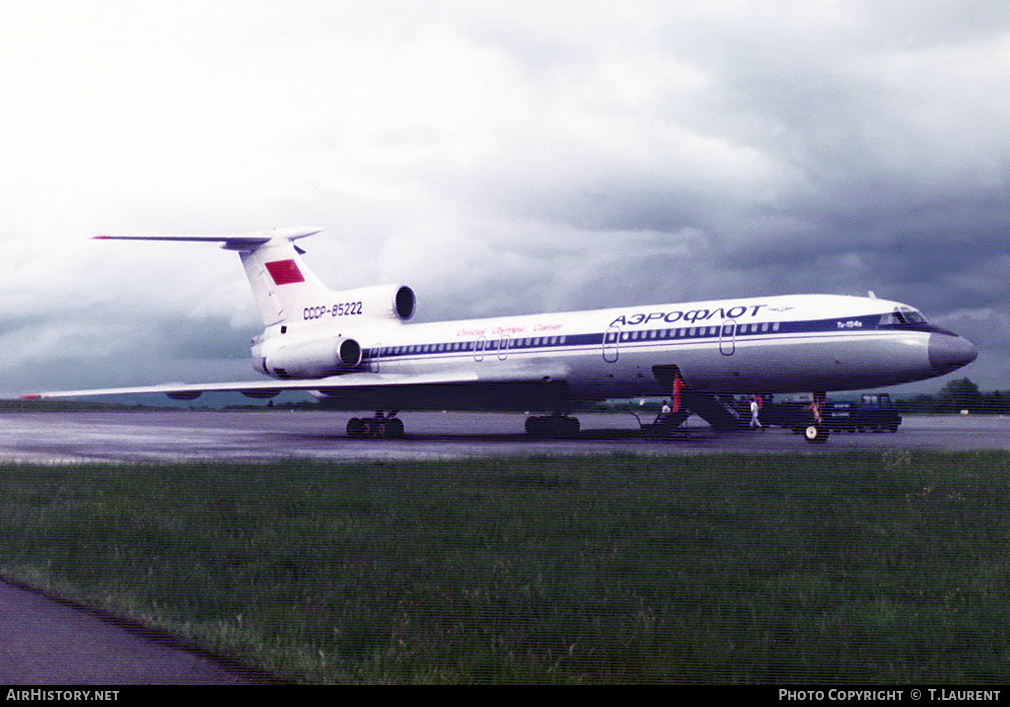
373, 359
478, 349
611, 339
727, 337
503, 348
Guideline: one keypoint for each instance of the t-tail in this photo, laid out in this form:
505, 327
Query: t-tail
287, 292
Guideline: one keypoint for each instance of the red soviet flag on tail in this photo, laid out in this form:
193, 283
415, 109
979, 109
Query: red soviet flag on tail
285, 272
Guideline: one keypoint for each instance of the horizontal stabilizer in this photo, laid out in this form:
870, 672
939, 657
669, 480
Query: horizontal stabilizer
282, 284
231, 242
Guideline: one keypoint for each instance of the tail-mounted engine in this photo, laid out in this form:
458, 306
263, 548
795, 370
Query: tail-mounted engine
313, 359
385, 301
378, 302
320, 356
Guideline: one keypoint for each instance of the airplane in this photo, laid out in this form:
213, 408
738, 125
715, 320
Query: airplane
357, 349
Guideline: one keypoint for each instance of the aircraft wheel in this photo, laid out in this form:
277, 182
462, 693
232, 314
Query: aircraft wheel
379, 428
540, 426
551, 426
813, 433
355, 428
569, 426
394, 428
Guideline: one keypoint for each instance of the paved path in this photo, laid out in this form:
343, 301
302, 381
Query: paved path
47, 642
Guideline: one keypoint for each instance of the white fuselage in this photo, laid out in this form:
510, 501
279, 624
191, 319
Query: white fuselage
771, 344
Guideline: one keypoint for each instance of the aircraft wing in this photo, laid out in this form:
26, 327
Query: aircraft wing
269, 388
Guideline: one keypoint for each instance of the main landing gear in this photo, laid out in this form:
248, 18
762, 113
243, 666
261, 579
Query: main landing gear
552, 426
381, 426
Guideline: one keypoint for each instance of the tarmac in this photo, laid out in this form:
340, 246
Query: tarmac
165, 436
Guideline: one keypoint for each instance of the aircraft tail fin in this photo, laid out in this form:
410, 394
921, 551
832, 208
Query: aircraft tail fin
282, 283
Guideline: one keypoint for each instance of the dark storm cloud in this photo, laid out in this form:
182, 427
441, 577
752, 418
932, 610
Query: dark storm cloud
114, 350
882, 124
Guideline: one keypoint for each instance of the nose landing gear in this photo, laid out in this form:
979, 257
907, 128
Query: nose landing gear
816, 431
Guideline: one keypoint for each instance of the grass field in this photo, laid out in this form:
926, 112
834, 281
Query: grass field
832, 568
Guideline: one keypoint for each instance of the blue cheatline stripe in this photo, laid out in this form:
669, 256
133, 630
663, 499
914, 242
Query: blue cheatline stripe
698, 332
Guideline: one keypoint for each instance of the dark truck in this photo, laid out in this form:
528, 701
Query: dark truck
873, 413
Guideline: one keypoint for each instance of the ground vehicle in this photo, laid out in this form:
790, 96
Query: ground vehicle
873, 413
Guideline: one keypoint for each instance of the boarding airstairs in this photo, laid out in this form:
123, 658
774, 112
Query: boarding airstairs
708, 407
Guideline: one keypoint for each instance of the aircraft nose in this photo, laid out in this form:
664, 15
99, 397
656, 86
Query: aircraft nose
948, 353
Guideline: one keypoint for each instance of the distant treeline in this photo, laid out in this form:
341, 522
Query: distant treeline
68, 406
957, 395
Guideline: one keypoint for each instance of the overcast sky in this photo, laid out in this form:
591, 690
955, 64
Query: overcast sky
499, 157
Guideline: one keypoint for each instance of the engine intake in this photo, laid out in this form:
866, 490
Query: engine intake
349, 353
405, 302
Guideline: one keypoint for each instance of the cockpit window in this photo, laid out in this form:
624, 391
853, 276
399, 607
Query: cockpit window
903, 316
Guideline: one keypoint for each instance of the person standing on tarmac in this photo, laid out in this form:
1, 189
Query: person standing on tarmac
664, 412
755, 408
